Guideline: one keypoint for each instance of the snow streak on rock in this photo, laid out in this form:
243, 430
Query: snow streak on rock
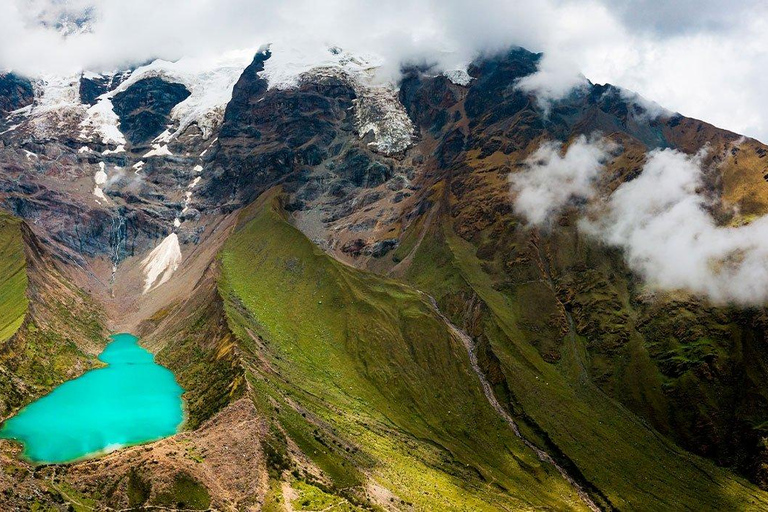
209, 80
162, 262
158, 150
378, 109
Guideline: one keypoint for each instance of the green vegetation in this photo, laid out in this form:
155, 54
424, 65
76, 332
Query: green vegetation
506, 305
138, 489
365, 378
184, 493
200, 350
13, 277
59, 340
315, 499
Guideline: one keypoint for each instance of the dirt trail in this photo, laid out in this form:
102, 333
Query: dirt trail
288, 495
543, 456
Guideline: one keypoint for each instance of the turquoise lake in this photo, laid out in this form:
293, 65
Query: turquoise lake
132, 400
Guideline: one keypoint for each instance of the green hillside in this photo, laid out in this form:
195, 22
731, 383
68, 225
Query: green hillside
633, 466
360, 372
13, 277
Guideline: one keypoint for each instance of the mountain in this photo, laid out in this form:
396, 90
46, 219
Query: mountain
338, 274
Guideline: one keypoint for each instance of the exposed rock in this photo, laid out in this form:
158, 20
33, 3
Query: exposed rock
15, 92
382, 247
144, 108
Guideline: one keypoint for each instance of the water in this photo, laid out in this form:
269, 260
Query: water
132, 400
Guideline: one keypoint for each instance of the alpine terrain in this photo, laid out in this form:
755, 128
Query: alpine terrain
430, 294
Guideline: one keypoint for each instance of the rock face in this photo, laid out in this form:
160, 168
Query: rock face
144, 109
641, 351
91, 87
270, 136
15, 93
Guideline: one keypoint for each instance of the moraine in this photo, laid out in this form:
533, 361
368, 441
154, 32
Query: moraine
132, 400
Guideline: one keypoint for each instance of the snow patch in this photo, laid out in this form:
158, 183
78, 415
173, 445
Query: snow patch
194, 182
458, 76
158, 150
162, 262
164, 137
101, 121
100, 178
99, 193
118, 149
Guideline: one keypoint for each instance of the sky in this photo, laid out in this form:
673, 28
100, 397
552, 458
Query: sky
704, 59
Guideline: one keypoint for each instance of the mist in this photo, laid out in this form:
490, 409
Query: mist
661, 221
552, 178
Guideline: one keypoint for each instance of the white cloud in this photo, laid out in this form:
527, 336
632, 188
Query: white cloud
550, 179
553, 81
695, 57
661, 221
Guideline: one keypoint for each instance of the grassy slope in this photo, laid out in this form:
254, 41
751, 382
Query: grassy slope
634, 467
196, 345
13, 277
52, 330
362, 375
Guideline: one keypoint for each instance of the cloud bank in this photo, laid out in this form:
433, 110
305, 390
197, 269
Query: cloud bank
550, 179
662, 223
695, 57
661, 220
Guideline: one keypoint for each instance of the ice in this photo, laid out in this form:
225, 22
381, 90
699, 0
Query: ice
458, 76
101, 120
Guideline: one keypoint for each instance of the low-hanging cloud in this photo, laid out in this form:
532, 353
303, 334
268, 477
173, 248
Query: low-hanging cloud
551, 179
662, 222
691, 57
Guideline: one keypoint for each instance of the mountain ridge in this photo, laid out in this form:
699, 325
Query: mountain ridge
309, 241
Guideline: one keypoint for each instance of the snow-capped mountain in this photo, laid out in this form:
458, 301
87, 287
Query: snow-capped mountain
408, 295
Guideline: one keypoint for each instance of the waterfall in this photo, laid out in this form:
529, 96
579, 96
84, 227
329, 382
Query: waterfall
117, 237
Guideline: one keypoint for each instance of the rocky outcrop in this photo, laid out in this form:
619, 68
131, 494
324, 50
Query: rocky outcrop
93, 86
144, 108
15, 92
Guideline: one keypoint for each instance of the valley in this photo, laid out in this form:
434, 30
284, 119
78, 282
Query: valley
336, 274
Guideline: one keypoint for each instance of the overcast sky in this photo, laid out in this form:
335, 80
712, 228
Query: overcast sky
705, 58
